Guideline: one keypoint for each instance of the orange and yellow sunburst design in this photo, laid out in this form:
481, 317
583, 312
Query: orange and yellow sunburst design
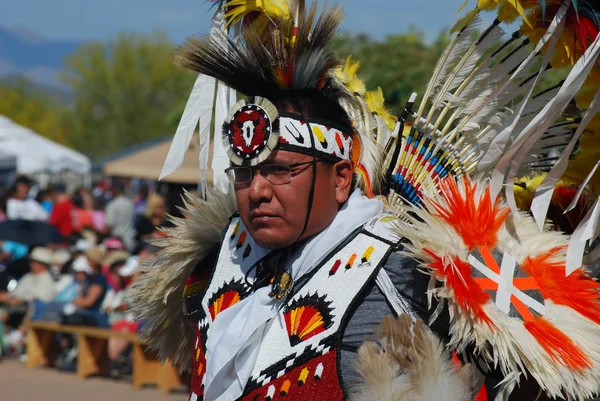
307, 317
228, 295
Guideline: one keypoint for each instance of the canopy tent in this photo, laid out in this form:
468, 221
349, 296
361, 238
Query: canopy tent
98, 165
8, 169
36, 154
148, 162
7, 161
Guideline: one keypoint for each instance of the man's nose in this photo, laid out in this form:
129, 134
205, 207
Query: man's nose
260, 188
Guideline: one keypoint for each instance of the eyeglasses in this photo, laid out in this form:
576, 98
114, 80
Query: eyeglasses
276, 174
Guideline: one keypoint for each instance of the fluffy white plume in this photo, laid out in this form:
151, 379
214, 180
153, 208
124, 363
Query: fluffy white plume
158, 298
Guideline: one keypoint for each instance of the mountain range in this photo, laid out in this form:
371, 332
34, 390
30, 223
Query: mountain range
23, 53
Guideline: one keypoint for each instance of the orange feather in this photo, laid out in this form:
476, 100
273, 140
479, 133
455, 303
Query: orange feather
477, 221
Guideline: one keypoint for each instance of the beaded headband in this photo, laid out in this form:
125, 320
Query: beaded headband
254, 128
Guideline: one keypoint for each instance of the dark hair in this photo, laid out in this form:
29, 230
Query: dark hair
41, 195
118, 185
77, 200
313, 104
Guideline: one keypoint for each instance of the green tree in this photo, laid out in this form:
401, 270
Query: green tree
39, 112
400, 64
125, 91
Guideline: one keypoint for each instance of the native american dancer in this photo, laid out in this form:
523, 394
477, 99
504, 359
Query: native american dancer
329, 216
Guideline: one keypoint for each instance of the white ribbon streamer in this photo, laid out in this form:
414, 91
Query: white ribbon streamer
552, 112
226, 98
582, 188
503, 164
543, 195
195, 108
584, 232
199, 108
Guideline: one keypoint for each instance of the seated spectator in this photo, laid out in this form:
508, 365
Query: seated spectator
122, 319
60, 259
113, 244
67, 289
154, 216
114, 260
38, 284
73, 283
85, 308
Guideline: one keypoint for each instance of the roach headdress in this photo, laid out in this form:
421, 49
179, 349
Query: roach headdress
263, 52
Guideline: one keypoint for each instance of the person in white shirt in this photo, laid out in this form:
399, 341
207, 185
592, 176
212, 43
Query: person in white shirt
20, 206
36, 285
120, 217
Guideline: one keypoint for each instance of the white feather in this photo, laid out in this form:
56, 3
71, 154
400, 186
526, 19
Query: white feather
458, 45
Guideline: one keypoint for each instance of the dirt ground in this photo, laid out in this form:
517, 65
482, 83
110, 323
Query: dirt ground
17, 383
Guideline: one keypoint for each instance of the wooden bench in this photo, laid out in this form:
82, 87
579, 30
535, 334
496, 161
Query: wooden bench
92, 355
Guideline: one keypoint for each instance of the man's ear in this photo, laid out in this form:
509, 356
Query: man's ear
343, 180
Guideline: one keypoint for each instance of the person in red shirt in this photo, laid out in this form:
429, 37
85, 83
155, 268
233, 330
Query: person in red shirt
62, 212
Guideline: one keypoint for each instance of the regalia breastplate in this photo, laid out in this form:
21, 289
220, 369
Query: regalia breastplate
298, 358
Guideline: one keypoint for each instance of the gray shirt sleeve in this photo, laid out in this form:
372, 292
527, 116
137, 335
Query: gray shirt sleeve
411, 284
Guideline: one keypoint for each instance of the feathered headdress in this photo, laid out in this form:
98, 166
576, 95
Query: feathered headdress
262, 49
284, 50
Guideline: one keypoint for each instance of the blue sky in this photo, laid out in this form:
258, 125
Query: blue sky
101, 19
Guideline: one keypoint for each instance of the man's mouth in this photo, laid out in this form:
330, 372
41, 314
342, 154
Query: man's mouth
261, 217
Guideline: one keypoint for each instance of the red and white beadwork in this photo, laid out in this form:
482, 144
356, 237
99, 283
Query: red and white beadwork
250, 132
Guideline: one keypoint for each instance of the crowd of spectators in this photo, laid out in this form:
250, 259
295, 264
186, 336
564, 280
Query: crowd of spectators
85, 280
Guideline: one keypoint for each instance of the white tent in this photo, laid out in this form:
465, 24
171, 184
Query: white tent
36, 154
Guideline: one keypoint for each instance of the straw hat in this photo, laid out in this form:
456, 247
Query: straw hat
60, 257
116, 257
42, 255
96, 255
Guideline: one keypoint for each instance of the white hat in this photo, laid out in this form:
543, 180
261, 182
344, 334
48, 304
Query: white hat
81, 265
42, 255
82, 245
130, 267
61, 256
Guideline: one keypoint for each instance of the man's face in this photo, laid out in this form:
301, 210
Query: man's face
37, 267
21, 191
275, 214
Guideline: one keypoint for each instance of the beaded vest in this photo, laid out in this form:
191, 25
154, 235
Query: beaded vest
298, 358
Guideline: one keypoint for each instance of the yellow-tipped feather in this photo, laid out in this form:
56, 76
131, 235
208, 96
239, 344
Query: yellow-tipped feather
524, 194
269, 9
507, 13
519, 8
376, 103
487, 5
348, 75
